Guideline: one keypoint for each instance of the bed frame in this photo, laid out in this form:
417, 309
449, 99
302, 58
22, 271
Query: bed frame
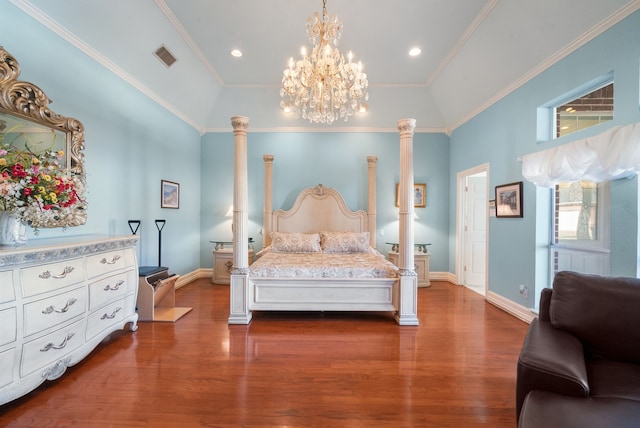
317, 209
321, 209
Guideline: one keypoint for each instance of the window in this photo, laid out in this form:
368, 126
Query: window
587, 105
580, 234
589, 110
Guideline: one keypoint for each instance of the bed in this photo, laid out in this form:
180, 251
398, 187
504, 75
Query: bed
320, 255
320, 258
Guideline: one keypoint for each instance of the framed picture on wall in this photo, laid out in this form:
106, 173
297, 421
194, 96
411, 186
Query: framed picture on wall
169, 194
509, 200
419, 195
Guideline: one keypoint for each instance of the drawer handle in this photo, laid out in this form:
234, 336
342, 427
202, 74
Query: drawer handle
50, 345
62, 310
112, 316
115, 287
113, 260
47, 274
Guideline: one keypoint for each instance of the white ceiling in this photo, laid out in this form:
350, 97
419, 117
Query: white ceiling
473, 51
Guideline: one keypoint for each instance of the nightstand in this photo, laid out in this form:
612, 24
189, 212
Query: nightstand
223, 262
421, 261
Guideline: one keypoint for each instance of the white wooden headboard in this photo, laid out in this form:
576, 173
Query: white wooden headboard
320, 208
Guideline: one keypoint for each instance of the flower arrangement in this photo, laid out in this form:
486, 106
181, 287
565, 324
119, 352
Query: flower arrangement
34, 186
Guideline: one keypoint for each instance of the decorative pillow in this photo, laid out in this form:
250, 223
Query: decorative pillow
344, 242
295, 242
264, 251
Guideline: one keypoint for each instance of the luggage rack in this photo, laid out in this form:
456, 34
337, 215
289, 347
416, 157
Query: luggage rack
157, 295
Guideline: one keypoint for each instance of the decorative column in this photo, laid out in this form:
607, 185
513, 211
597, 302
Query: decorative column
239, 284
267, 215
371, 208
407, 313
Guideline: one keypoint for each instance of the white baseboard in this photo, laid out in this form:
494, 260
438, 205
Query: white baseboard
521, 312
509, 306
442, 276
192, 276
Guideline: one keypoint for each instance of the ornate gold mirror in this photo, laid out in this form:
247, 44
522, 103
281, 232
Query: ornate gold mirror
42, 176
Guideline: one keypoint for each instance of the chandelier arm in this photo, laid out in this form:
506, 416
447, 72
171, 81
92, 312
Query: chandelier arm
322, 86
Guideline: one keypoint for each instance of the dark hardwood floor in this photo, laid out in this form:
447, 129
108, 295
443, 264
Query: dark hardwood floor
457, 369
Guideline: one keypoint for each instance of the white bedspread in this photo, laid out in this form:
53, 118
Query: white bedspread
323, 265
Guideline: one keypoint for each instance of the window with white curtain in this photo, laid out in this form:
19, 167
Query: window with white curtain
580, 235
581, 208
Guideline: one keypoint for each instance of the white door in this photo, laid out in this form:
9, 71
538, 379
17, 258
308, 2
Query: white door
475, 257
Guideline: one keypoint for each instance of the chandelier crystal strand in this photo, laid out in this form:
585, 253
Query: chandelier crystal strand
322, 86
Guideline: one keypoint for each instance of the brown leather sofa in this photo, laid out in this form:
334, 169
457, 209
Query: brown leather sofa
580, 360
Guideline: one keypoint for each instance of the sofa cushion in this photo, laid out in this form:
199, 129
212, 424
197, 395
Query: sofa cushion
544, 409
602, 312
614, 379
550, 359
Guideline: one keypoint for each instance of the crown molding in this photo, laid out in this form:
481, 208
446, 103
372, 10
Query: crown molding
65, 34
585, 38
301, 129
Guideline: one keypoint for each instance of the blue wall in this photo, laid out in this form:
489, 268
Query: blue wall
131, 144
336, 160
507, 130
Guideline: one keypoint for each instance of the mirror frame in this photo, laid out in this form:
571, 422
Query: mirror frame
27, 101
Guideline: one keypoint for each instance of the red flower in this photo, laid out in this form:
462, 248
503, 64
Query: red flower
18, 171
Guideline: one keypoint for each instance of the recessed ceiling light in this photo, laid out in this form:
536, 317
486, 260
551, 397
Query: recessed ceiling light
236, 53
415, 51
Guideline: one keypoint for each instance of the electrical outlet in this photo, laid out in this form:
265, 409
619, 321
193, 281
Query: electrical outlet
524, 290
381, 232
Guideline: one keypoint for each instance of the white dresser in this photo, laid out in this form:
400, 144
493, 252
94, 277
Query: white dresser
59, 298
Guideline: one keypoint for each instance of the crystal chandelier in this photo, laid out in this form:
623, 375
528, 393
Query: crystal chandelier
323, 86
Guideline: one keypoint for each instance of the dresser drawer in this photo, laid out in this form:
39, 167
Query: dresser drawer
44, 278
7, 293
7, 360
47, 349
105, 317
100, 264
110, 288
49, 312
8, 326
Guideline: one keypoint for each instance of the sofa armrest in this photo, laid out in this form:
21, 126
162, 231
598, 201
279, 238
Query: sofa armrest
545, 303
550, 360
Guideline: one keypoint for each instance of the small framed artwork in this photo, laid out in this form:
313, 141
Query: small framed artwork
492, 208
509, 200
169, 194
419, 195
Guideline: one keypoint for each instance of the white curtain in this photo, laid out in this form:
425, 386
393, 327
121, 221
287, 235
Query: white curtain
608, 156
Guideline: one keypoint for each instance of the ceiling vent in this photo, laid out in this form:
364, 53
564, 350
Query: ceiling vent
165, 56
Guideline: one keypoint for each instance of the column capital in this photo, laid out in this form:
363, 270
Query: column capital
268, 158
372, 159
240, 123
406, 125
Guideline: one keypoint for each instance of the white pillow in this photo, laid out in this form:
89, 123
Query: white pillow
344, 242
295, 242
